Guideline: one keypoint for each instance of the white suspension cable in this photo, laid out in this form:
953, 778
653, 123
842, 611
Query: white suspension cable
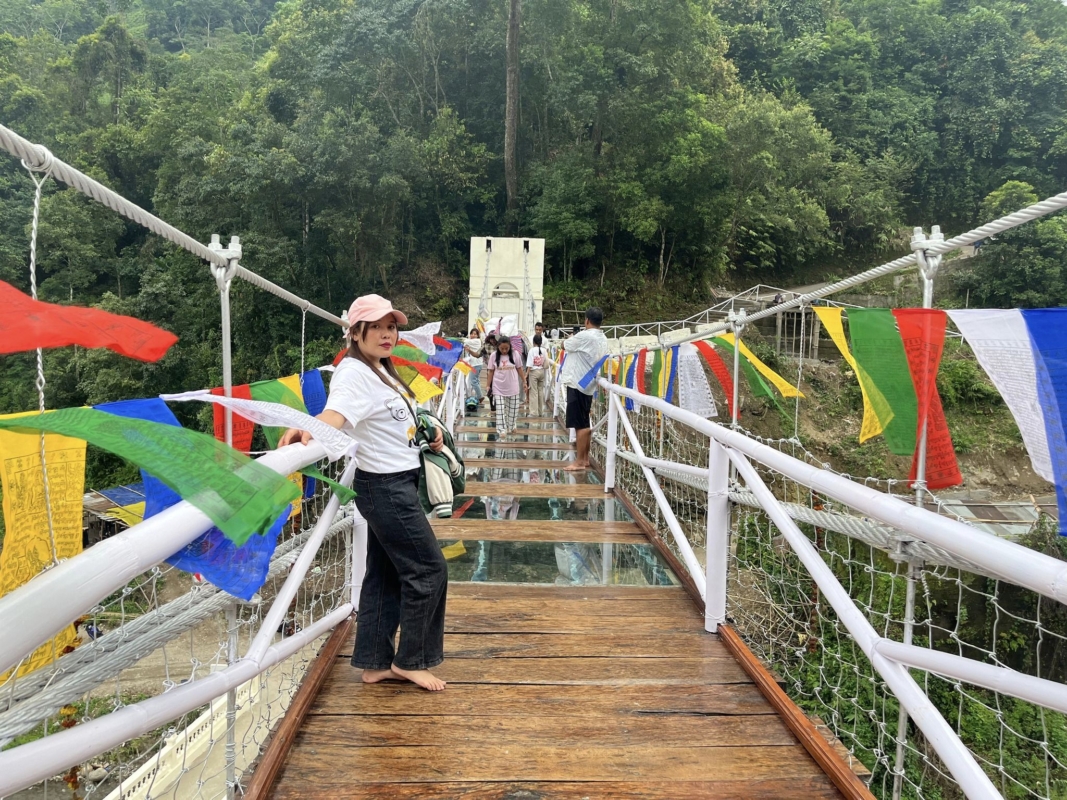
40, 382
39, 159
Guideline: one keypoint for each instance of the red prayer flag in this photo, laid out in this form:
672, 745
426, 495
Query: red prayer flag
722, 374
242, 428
923, 333
440, 341
340, 356
639, 377
27, 324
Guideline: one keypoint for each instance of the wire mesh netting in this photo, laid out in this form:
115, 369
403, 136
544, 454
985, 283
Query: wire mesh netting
777, 608
164, 629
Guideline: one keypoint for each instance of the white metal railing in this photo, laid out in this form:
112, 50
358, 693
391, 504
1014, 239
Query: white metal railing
890, 659
107, 565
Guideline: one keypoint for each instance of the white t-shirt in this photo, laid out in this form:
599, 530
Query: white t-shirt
376, 416
534, 352
584, 350
476, 345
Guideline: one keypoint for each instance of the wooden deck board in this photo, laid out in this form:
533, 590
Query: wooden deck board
538, 531
554, 692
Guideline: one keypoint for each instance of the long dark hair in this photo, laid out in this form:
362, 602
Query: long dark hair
511, 351
359, 332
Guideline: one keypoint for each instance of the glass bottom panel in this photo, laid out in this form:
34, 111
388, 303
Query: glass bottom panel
490, 450
534, 476
557, 563
558, 509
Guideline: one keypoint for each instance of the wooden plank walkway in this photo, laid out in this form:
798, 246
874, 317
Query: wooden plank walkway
554, 691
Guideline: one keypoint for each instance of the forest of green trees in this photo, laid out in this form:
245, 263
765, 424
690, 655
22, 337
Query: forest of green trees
660, 145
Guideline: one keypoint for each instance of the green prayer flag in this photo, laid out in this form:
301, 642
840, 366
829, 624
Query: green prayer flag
657, 373
343, 492
276, 392
756, 383
240, 496
410, 353
880, 356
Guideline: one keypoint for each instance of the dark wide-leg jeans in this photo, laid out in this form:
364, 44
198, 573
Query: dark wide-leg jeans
407, 577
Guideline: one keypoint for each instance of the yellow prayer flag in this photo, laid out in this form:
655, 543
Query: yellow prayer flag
292, 383
453, 551
423, 390
876, 411
27, 541
130, 515
463, 367
785, 387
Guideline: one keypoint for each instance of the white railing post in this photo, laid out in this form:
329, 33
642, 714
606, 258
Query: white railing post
717, 545
613, 445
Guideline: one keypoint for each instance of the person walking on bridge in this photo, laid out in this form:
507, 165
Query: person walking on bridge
584, 350
407, 576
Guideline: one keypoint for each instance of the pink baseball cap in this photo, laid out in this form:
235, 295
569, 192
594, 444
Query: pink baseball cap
371, 307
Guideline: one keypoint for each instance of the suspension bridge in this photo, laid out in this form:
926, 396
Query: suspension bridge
703, 614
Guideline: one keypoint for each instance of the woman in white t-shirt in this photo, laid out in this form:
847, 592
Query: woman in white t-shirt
407, 577
472, 355
536, 362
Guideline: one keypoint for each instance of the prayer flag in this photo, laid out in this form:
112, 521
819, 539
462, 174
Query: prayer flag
657, 373
240, 496
876, 411
422, 337
694, 392
756, 383
422, 389
27, 538
157, 495
27, 324
639, 370
629, 365
313, 391
428, 371
409, 352
922, 331
239, 571
1024, 351
240, 428
879, 352
720, 371
671, 372
785, 387
284, 391
590, 377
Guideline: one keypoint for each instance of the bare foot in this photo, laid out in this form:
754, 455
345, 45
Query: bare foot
379, 675
577, 465
420, 677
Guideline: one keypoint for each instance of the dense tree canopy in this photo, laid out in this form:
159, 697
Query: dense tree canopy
353, 142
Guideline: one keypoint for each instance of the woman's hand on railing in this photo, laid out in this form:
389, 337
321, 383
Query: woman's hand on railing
294, 435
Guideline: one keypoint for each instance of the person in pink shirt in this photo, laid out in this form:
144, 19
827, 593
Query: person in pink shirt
506, 374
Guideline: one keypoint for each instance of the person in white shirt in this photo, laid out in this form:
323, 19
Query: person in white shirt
536, 361
584, 349
472, 355
407, 576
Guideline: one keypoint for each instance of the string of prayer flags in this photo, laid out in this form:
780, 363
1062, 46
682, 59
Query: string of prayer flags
241, 497
157, 495
876, 411
28, 539
922, 331
720, 371
28, 324
879, 353
1024, 352
239, 571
